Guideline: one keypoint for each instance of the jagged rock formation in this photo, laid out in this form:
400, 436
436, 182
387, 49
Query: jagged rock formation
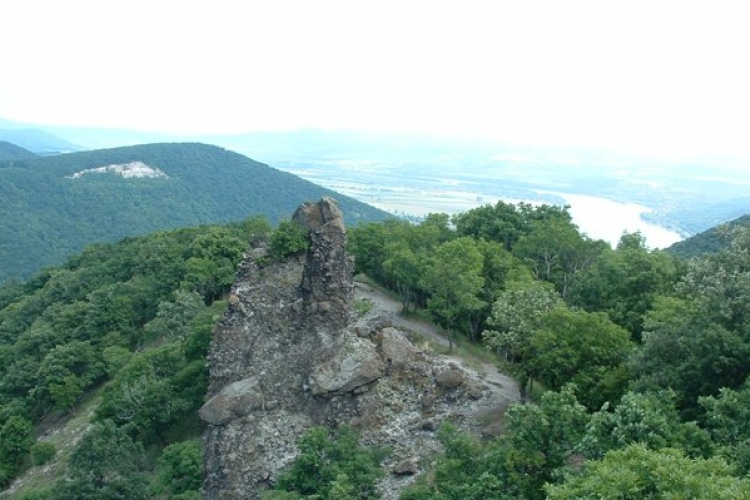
289, 355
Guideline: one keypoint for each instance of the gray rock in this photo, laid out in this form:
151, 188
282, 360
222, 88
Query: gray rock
289, 331
407, 467
449, 378
234, 401
396, 347
355, 363
428, 400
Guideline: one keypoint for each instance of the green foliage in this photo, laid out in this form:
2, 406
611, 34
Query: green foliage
556, 251
540, 440
52, 216
288, 239
650, 420
726, 417
179, 470
106, 464
625, 283
580, 348
10, 152
468, 469
15, 441
42, 452
453, 278
637, 473
73, 328
157, 389
683, 350
332, 468
710, 241
516, 315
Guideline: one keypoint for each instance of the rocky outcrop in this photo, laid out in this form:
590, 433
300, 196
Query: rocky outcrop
351, 367
289, 355
234, 401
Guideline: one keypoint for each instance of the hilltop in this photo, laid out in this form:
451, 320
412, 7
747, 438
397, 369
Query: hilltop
52, 207
10, 152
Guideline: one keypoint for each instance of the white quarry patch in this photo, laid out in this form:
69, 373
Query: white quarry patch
134, 169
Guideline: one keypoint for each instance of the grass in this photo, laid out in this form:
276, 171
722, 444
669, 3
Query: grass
362, 307
62, 431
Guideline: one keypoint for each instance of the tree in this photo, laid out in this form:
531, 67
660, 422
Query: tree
504, 223
625, 282
66, 371
516, 315
105, 465
453, 279
289, 238
557, 252
649, 419
179, 469
541, 439
685, 351
637, 473
726, 417
16, 440
467, 470
328, 466
582, 348
403, 268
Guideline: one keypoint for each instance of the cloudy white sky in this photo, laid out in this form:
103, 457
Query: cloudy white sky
657, 77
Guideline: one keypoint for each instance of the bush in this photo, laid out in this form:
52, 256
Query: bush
332, 467
42, 452
288, 239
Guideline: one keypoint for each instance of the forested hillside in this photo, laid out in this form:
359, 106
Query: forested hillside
10, 152
634, 363
47, 212
136, 316
710, 241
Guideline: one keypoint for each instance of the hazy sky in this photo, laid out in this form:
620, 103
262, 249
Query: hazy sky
657, 77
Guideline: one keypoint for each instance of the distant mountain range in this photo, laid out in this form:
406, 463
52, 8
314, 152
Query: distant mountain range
53, 206
34, 139
450, 174
11, 152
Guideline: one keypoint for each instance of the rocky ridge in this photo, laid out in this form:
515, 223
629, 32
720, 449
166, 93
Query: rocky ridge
290, 355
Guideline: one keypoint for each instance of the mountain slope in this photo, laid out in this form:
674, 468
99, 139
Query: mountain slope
710, 241
36, 140
51, 207
11, 152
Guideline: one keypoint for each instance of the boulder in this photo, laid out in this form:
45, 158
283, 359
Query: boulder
407, 467
314, 215
396, 347
355, 363
234, 401
449, 378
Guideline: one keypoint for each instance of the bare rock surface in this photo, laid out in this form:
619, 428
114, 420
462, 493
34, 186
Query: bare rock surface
354, 364
234, 401
289, 355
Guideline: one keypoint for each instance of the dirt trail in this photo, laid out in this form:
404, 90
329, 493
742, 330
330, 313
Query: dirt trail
507, 388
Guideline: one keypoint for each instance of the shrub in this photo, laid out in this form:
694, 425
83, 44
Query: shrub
42, 452
288, 239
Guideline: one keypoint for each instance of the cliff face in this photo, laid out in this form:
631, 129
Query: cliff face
289, 355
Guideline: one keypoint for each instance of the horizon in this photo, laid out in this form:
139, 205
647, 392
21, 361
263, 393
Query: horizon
660, 81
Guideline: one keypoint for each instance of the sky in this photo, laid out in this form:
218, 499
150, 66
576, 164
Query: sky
660, 78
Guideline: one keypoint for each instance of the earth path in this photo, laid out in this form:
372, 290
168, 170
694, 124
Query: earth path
506, 387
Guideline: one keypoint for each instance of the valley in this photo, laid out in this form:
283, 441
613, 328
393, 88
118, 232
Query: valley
451, 191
